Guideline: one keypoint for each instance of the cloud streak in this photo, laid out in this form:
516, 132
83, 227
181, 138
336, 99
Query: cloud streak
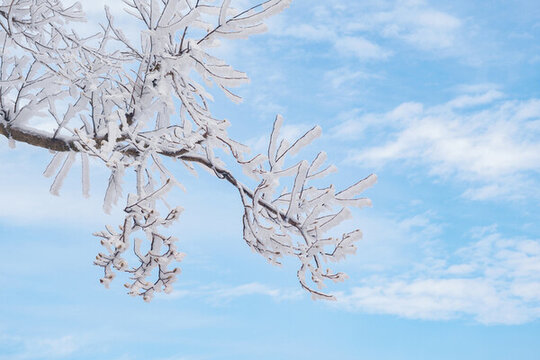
38, 347
494, 280
483, 139
359, 29
222, 294
413, 21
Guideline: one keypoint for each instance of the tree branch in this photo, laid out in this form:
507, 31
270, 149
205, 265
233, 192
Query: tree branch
35, 138
59, 144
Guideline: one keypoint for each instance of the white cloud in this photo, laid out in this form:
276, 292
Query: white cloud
353, 27
42, 348
465, 101
219, 294
490, 142
414, 22
476, 88
308, 32
58, 347
424, 28
227, 294
360, 47
484, 192
346, 45
494, 280
336, 78
391, 245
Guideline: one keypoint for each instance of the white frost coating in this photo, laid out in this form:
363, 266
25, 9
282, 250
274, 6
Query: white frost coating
223, 12
358, 188
299, 183
59, 179
115, 99
85, 175
273, 139
55, 163
303, 141
114, 189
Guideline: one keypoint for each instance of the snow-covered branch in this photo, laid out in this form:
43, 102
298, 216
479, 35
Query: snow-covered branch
131, 104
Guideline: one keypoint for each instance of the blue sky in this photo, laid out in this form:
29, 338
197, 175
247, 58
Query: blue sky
439, 99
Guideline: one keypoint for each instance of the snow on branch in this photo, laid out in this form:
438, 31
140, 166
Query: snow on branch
111, 98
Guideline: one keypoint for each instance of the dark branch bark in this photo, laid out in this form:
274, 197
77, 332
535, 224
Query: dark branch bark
37, 139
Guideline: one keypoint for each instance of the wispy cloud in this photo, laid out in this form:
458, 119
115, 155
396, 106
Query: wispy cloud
360, 47
39, 348
356, 28
393, 243
494, 279
413, 21
227, 294
486, 140
351, 45
345, 75
220, 294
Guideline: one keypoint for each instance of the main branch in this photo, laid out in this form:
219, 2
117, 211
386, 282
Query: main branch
61, 144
